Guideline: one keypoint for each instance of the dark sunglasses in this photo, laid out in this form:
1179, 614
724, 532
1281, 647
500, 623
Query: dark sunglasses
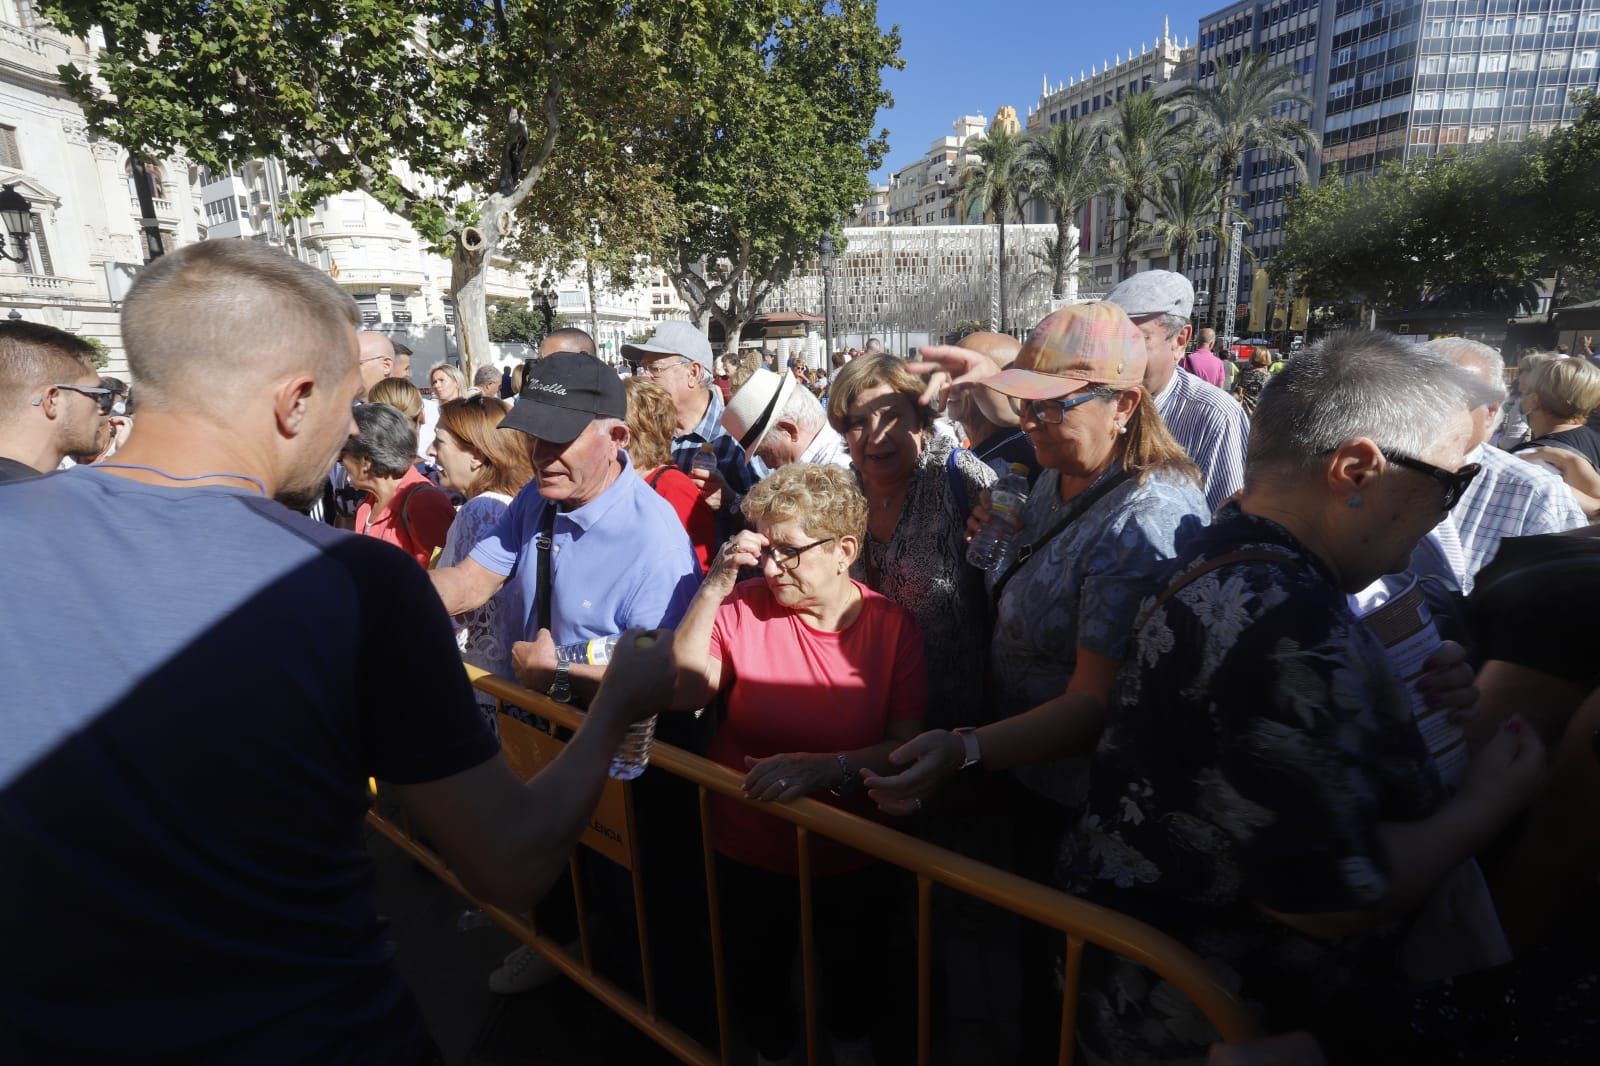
1455, 482
105, 398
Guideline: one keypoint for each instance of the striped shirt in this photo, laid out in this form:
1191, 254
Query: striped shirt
1212, 428
1510, 497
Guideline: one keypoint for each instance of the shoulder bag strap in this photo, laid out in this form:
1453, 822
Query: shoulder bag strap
1079, 506
1250, 555
655, 478
543, 542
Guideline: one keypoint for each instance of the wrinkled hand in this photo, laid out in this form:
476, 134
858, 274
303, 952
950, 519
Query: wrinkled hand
1449, 681
781, 778
742, 549
639, 679
948, 365
534, 662
979, 517
1507, 771
711, 486
929, 758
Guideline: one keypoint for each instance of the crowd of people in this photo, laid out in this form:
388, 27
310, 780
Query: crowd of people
1181, 689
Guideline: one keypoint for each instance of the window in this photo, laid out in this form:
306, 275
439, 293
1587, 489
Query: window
1556, 59
1584, 59
1457, 99
1530, 24
1560, 23
1591, 20
1464, 64
1431, 65
1487, 98
1496, 27
1511, 133
1524, 60
1467, 28
1422, 135
1429, 101
1519, 98
1479, 134
368, 306
1494, 63
1436, 27
399, 310
9, 156
1550, 95
1450, 134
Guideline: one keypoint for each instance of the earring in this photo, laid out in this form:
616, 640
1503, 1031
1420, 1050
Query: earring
1354, 501
1122, 430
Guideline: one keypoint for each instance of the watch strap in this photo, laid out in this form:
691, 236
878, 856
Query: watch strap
561, 687
972, 754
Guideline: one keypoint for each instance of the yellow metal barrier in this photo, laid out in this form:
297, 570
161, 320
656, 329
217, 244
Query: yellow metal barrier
611, 833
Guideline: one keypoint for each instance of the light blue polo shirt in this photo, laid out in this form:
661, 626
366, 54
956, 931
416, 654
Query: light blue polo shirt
620, 561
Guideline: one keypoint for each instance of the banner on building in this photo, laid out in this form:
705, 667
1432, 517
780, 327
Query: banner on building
1280, 310
1258, 301
1301, 314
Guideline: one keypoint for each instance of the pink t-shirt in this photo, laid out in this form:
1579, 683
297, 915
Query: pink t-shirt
792, 688
1204, 364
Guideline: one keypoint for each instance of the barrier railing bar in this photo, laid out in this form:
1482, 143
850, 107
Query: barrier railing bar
670, 1037
637, 873
808, 945
583, 913
924, 970
714, 909
1069, 1000
1039, 903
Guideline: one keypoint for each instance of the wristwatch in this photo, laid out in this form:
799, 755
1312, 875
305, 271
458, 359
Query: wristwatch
849, 779
561, 687
969, 741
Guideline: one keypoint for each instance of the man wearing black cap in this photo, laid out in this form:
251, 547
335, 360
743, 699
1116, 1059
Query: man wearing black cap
618, 553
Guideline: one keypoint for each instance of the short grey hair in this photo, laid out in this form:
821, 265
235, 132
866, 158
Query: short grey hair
387, 439
803, 409
485, 376
1457, 349
1358, 384
1173, 323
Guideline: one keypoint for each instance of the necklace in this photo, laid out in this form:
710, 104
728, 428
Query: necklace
257, 482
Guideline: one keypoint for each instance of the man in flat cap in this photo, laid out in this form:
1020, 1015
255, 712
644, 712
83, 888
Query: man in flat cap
1208, 422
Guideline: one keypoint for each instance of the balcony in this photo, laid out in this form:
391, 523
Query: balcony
44, 282
38, 49
166, 210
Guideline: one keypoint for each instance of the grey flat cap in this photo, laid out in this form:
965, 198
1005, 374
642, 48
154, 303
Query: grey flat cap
1154, 292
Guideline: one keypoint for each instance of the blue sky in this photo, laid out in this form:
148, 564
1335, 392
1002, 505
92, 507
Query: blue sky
965, 58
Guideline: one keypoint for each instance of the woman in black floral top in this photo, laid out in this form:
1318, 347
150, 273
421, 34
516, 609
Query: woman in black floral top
1261, 791
920, 488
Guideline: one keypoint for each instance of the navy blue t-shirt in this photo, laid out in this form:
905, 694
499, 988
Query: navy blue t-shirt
197, 684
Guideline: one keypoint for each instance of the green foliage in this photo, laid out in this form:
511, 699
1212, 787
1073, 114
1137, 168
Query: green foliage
1146, 141
101, 357
519, 323
1464, 230
777, 148
1188, 200
1059, 165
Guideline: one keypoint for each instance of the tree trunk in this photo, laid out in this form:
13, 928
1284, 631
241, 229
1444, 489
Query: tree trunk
469, 276
1005, 324
1181, 248
1125, 261
594, 304
1058, 288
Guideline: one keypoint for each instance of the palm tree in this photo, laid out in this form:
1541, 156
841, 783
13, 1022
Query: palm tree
1060, 167
1242, 113
1187, 202
1145, 143
991, 183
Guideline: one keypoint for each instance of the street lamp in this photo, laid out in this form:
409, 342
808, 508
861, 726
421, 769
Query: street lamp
17, 214
827, 302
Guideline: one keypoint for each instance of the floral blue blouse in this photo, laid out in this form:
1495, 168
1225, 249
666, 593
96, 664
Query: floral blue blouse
1257, 739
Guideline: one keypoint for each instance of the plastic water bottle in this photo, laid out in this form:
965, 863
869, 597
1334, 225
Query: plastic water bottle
634, 754
705, 460
1006, 499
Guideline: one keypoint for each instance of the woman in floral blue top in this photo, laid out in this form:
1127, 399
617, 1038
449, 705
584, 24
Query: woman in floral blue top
1261, 791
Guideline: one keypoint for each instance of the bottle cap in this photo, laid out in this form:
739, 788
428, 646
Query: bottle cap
1019, 469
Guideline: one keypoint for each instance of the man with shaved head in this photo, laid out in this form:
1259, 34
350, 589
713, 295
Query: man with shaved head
50, 399
199, 684
377, 359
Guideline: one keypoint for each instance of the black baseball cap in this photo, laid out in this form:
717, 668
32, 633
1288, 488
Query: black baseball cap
562, 393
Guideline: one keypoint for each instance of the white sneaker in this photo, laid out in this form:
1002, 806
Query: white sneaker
522, 971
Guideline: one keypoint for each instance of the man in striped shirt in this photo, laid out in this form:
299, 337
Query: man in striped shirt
1209, 423
1510, 497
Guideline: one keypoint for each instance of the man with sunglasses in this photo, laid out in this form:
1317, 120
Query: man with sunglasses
51, 401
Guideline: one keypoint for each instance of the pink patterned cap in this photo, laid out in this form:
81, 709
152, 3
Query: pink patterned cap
1085, 344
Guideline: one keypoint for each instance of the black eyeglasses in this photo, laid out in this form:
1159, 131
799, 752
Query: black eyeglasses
104, 398
787, 556
1052, 412
1455, 482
